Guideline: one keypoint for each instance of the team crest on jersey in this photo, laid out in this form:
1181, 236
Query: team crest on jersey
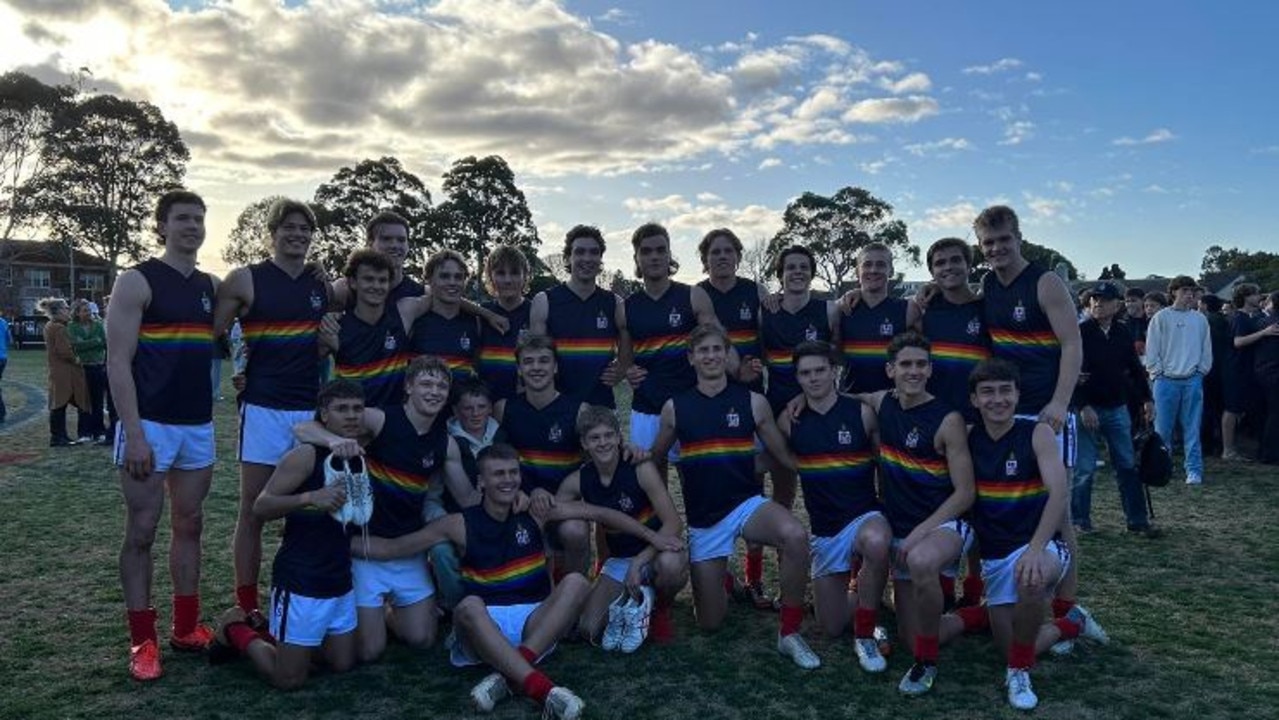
675, 318
624, 503
974, 327
522, 333
810, 333
390, 342
733, 419
886, 328
1010, 465
555, 434
912, 439
428, 461
317, 302
1019, 313
206, 303
745, 312
464, 342
522, 535
601, 322
844, 436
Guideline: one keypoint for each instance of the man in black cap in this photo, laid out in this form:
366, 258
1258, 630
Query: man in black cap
1111, 372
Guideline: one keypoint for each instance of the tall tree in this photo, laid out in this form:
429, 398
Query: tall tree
484, 209
1039, 254
757, 265
108, 159
27, 110
355, 194
249, 241
836, 227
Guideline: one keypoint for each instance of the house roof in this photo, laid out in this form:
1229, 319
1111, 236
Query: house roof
46, 252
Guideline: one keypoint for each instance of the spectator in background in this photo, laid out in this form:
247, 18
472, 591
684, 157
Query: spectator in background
1111, 376
1135, 316
89, 342
66, 378
1242, 392
1214, 398
4, 360
1267, 371
1178, 356
1153, 303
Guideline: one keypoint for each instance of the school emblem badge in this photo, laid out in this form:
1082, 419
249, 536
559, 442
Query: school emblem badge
974, 327
428, 461
675, 318
1010, 465
624, 503
844, 436
390, 343
733, 419
745, 312
886, 328
555, 434
522, 536
205, 303
317, 302
464, 342
810, 333
601, 322
912, 438
1019, 313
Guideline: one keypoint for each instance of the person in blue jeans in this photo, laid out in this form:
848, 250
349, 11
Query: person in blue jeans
1111, 377
1178, 356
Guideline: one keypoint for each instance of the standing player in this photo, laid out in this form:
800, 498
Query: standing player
445, 331
159, 349
873, 322
587, 322
313, 612
927, 480
506, 276
407, 450
387, 233
833, 439
953, 323
716, 423
280, 304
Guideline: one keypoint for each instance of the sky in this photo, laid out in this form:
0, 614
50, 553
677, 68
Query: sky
1132, 132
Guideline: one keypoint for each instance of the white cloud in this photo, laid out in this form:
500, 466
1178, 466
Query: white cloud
1158, 135
1267, 150
829, 43
1047, 209
890, 110
617, 16
944, 146
687, 220
916, 82
874, 167
998, 66
1156, 189
1034, 77
770, 162
957, 218
1015, 133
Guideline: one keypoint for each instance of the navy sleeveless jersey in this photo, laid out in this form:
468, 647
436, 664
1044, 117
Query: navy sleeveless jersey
1011, 494
717, 452
780, 333
314, 558
864, 335
497, 350
454, 340
175, 347
836, 465
738, 312
546, 440
505, 561
1020, 332
623, 494
374, 355
659, 333
959, 340
281, 330
585, 335
914, 476
401, 463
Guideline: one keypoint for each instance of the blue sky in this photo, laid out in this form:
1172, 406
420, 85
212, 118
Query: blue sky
1129, 132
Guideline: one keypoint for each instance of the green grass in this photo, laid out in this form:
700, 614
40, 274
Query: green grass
1193, 617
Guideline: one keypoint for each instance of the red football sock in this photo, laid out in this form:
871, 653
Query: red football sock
864, 623
973, 587
1061, 606
537, 686
246, 596
240, 635
926, 649
529, 656
142, 626
186, 613
1069, 628
947, 589
974, 617
1021, 657
754, 566
792, 618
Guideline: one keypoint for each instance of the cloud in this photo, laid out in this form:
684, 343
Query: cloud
945, 146
687, 220
874, 167
1158, 135
957, 218
770, 162
1033, 77
1156, 189
1047, 209
891, 110
617, 16
1001, 65
916, 82
1015, 133
1267, 150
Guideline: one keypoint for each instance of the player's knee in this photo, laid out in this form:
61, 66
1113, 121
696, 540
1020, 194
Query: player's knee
288, 680
575, 583
140, 531
794, 540
874, 548
370, 649
922, 563
468, 610
188, 524
672, 571
574, 534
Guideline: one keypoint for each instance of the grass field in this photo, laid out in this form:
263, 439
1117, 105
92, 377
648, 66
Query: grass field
1194, 618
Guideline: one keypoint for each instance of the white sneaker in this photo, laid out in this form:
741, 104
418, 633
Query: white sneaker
1062, 648
637, 614
1194, 479
918, 679
794, 647
868, 655
562, 704
1020, 694
1089, 628
488, 692
616, 626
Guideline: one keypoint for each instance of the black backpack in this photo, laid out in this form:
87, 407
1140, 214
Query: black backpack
1154, 463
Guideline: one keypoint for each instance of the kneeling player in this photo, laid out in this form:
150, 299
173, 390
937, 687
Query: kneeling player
640, 492
1018, 516
312, 596
510, 616
832, 438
